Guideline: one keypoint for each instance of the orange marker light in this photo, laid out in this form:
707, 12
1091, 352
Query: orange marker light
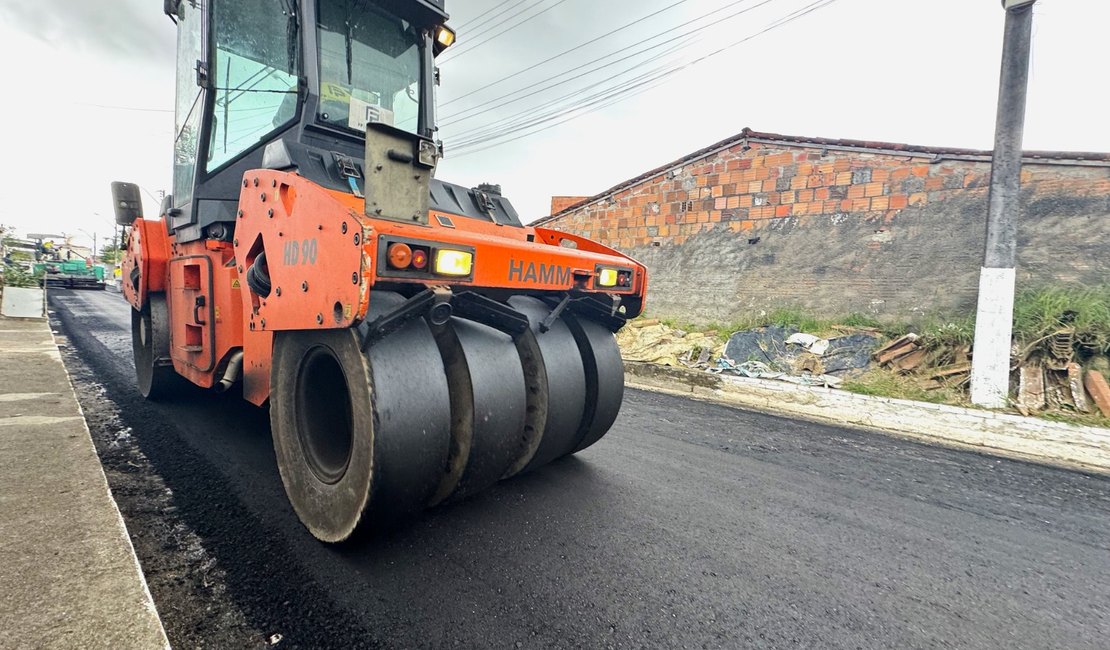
419, 259
400, 256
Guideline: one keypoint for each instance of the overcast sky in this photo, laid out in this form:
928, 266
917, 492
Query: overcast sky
90, 89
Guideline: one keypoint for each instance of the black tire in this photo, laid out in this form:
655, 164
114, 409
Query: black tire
361, 439
556, 386
488, 407
323, 428
150, 344
604, 368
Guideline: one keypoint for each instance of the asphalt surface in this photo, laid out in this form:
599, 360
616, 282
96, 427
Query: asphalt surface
689, 525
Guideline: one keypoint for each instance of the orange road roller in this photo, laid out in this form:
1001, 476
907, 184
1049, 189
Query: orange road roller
415, 343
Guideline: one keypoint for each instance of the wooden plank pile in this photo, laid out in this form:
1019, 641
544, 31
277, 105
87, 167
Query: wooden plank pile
936, 367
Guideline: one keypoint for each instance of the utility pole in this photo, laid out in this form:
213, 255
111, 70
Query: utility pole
990, 367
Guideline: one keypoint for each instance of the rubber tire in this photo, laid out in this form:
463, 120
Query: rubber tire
150, 346
604, 367
400, 426
556, 382
488, 405
331, 511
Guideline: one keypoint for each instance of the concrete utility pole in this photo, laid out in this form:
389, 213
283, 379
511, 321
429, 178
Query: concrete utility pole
990, 368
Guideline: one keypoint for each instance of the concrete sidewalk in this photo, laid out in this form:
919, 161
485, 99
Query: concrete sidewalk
69, 577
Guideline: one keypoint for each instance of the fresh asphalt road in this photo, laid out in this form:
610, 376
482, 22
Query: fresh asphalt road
689, 525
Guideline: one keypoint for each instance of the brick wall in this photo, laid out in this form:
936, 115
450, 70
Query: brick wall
560, 203
895, 234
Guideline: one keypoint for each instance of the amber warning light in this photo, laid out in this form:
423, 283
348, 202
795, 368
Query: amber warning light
400, 256
449, 262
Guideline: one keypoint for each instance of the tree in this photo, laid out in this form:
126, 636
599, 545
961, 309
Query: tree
111, 254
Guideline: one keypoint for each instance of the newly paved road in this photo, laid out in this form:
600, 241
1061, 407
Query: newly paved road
689, 525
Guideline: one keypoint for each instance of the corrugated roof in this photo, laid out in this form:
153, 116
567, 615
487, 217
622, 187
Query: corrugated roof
893, 148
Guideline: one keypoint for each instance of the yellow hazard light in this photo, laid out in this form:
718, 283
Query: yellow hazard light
607, 277
445, 37
449, 262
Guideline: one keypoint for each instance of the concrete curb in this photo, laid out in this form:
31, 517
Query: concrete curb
71, 577
1003, 434
122, 526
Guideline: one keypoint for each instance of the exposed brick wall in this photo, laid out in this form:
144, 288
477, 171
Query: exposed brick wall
560, 203
758, 225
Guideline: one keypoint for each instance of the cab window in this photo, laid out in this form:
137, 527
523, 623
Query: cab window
255, 76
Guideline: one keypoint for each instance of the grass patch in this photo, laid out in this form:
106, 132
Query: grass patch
1081, 419
1040, 312
949, 333
884, 383
794, 317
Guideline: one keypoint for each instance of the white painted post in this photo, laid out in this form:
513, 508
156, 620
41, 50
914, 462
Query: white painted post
990, 361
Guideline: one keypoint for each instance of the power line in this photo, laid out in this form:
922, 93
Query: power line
527, 119
126, 108
507, 29
476, 148
483, 14
473, 147
515, 96
500, 124
486, 27
617, 91
564, 53
530, 115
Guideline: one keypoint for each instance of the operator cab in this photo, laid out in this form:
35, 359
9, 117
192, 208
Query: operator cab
292, 85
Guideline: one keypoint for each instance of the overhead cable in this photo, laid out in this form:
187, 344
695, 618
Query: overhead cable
478, 18
545, 84
507, 29
565, 52
623, 93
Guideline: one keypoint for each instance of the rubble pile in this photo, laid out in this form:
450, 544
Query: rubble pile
784, 353
1057, 373
937, 365
654, 342
1049, 376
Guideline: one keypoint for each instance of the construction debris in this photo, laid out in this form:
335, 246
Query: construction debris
782, 353
896, 349
767, 345
950, 376
1049, 373
1075, 387
654, 342
851, 352
1100, 392
1031, 395
763, 371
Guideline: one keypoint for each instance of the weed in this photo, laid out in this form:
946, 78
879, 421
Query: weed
1081, 419
16, 275
884, 383
951, 333
1041, 311
856, 319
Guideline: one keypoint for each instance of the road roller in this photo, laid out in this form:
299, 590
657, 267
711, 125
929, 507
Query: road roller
414, 342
